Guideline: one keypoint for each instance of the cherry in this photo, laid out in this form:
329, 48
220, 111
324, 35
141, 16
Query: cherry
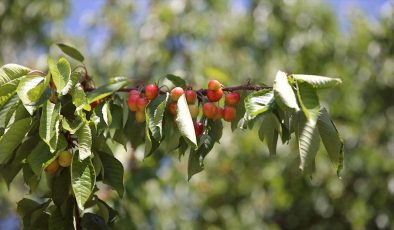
210, 110
190, 96
151, 91
64, 158
52, 167
214, 85
232, 98
94, 104
133, 92
140, 116
194, 110
214, 95
133, 101
176, 93
198, 128
219, 115
172, 108
141, 103
229, 113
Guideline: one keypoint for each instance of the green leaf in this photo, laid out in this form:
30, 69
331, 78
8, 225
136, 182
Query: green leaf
150, 143
331, 139
113, 172
83, 179
283, 92
71, 51
154, 116
11, 72
215, 129
318, 82
79, 98
61, 187
177, 81
258, 103
268, 132
60, 73
12, 138
72, 126
240, 108
84, 135
33, 213
308, 142
7, 91
50, 124
39, 157
30, 178
308, 99
56, 221
106, 111
105, 91
182, 147
196, 157
8, 109
92, 221
30, 90
185, 122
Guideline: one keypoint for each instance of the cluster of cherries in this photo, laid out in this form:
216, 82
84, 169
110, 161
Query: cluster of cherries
138, 101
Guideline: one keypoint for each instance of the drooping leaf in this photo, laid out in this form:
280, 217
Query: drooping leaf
50, 124
30, 89
308, 142
269, 130
155, 113
10, 72
184, 121
71, 51
283, 92
177, 81
331, 139
12, 138
113, 172
84, 135
308, 99
258, 103
318, 82
105, 91
38, 158
106, 111
196, 157
83, 179
215, 129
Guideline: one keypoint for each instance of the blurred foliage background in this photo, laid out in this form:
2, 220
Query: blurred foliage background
232, 41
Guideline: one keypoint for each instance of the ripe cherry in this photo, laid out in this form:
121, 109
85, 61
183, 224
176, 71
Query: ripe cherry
151, 91
52, 167
133, 92
229, 113
214, 85
172, 108
194, 110
232, 98
64, 158
141, 103
219, 115
94, 104
210, 110
140, 116
133, 101
214, 95
176, 93
190, 96
198, 128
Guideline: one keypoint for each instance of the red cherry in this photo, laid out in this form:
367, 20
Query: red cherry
214, 85
172, 108
133, 92
142, 103
219, 115
176, 93
198, 128
190, 96
210, 110
214, 95
232, 98
229, 113
94, 104
151, 91
133, 101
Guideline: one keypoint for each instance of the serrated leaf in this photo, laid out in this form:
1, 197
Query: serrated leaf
308, 99
8, 109
71, 51
105, 91
318, 82
74, 79
50, 124
258, 103
176, 80
83, 179
60, 72
12, 138
154, 116
79, 98
113, 172
184, 121
106, 111
331, 139
38, 158
269, 130
11, 72
84, 135
283, 92
308, 142
30, 89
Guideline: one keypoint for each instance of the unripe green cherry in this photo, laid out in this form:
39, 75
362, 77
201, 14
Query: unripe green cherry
65, 158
